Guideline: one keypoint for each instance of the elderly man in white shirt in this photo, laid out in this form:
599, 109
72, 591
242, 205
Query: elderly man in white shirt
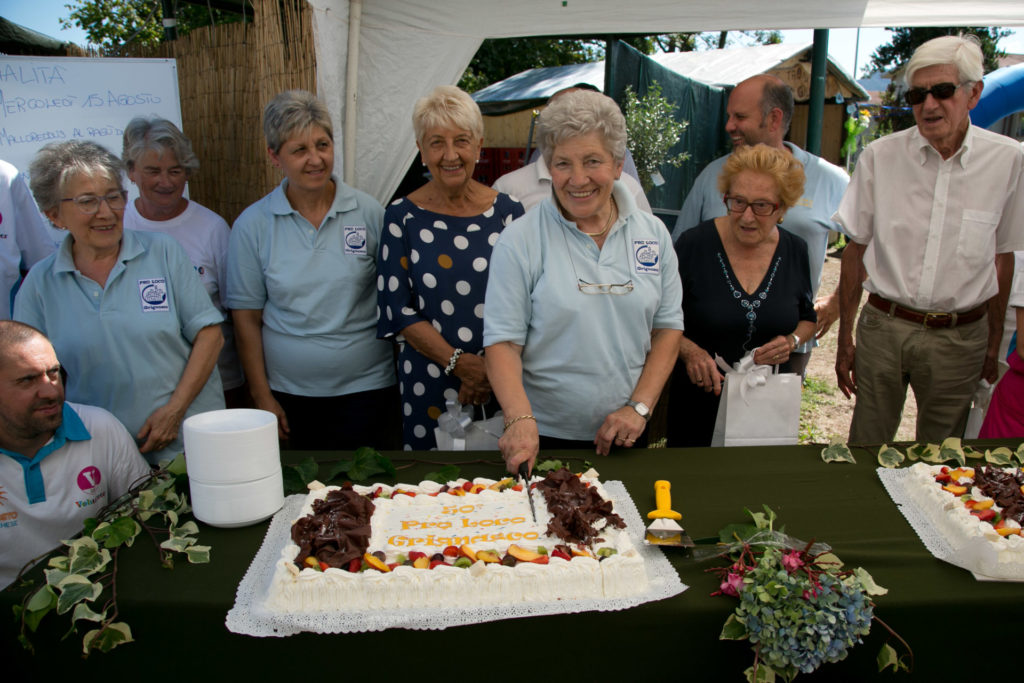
934, 214
531, 184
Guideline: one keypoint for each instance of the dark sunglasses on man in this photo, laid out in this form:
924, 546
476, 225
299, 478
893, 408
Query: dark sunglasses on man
940, 91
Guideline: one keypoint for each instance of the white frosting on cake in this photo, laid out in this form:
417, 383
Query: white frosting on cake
488, 520
976, 543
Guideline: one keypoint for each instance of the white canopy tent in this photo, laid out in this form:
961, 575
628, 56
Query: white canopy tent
376, 57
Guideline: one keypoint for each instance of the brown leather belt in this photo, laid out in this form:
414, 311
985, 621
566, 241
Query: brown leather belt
929, 319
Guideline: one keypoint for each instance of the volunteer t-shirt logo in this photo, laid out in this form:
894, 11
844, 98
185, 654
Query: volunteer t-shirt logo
355, 239
647, 256
89, 478
153, 295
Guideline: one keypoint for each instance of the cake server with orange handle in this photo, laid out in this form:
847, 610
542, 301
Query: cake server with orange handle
665, 529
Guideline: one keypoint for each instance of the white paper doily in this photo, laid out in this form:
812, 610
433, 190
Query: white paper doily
249, 617
894, 481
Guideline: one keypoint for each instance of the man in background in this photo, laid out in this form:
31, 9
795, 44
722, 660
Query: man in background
24, 239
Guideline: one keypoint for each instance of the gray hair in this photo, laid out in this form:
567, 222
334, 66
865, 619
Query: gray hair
143, 134
777, 95
56, 163
447, 106
962, 51
14, 333
581, 112
294, 111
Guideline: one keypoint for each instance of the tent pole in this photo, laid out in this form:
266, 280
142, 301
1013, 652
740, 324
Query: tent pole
609, 67
816, 103
169, 20
355, 16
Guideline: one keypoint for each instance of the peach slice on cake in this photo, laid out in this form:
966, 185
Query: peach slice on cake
375, 563
488, 556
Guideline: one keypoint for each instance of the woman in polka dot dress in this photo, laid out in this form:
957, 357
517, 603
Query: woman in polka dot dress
435, 252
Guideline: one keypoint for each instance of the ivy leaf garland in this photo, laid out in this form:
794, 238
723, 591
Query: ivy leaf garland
950, 450
365, 464
444, 475
80, 575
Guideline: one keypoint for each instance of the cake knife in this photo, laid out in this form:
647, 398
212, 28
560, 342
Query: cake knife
524, 476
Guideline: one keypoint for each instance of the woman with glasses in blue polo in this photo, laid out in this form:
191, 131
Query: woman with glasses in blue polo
125, 311
746, 286
582, 315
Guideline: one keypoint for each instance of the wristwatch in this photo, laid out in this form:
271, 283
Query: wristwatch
641, 409
796, 341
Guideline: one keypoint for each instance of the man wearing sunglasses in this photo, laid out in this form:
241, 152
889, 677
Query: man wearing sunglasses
934, 213
760, 109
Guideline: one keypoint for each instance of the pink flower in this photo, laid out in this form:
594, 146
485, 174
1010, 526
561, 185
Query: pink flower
791, 561
732, 584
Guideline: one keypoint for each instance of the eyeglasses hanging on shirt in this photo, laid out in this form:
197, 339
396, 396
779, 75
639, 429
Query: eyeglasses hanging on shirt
595, 287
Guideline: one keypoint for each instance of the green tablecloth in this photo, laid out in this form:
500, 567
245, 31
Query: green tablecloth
950, 619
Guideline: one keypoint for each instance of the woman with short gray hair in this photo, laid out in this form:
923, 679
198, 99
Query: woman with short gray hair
159, 160
584, 307
125, 311
582, 113
302, 272
293, 111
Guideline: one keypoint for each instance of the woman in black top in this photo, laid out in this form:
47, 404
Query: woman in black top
745, 287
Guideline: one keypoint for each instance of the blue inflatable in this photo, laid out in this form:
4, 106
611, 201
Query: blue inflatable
1003, 95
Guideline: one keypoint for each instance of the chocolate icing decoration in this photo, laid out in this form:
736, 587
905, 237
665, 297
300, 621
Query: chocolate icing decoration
575, 507
1003, 486
338, 530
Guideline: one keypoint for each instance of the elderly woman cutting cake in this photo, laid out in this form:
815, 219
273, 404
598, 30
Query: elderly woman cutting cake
583, 310
746, 284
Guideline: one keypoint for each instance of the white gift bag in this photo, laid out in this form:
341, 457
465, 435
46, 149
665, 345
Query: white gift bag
457, 431
979, 406
759, 406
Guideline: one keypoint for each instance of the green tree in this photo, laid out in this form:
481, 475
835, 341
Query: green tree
113, 24
500, 58
653, 132
891, 57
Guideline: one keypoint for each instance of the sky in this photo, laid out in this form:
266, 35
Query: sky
44, 15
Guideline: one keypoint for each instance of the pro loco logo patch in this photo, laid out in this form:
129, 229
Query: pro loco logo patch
647, 256
153, 295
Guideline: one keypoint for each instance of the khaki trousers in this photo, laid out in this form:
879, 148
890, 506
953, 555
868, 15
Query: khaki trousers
942, 365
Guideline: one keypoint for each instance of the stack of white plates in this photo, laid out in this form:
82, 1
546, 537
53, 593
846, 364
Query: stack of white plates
234, 466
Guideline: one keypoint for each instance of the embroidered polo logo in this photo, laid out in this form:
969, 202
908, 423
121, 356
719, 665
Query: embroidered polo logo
647, 256
355, 239
153, 295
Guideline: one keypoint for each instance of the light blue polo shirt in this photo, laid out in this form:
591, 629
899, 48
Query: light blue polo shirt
582, 353
125, 345
810, 219
317, 290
